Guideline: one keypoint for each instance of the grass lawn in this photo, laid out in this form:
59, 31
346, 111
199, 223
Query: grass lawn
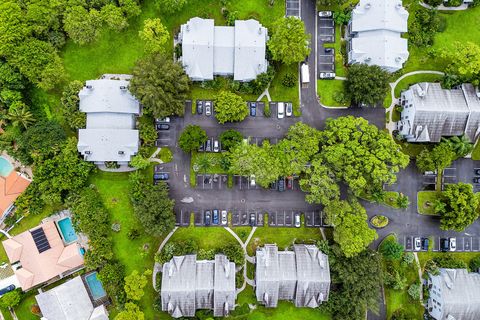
389, 199
114, 191
242, 232
165, 154
412, 149
425, 200
214, 161
6, 314
416, 78
396, 115
278, 92
327, 89
388, 100
423, 257
400, 299
206, 238
476, 152
283, 237
23, 310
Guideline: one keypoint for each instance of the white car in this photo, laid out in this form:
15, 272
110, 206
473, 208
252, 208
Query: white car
224, 217
324, 14
289, 110
252, 180
297, 220
417, 244
327, 75
164, 120
208, 108
215, 146
281, 110
453, 244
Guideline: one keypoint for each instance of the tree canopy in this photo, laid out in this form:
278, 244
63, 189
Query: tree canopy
70, 104
134, 284
191, 138
464, 61
391, 249
161, 85
170, 6
319, 183
155, 35
230, 138
440, 157
131, 312
350, 226
288, 41
230, 107
458, 207
367, 84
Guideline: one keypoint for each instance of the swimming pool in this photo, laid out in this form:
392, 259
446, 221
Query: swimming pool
5, 167
66, 229
95, 286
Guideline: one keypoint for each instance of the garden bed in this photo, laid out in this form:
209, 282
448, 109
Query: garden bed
379, 221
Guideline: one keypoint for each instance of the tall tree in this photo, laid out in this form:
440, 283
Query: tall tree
113, 17
134, 284
191, 138
288, 42
360, 154
230, 138
460, 145
160, 85
230, 107
20, 115
350, 226
131, 312
367, 84
155, 35
464, 61
82, 25
319, 183
460, 207
170, 6
70, 105
438, 158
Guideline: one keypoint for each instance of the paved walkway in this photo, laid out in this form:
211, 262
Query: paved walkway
420, 275
157, 267
441, 7
265, 93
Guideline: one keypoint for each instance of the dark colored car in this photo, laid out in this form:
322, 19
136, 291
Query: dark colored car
253, 109
7, 289
215, 216
444, 244
208, 217
477, 172
253, 219
273, 185
163, 126
160, 176
199, 107
289, 183
476, 180
281, 184
425, 242
208, 146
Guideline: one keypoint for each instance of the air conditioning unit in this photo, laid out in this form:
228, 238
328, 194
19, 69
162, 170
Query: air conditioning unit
121, 152
87, 152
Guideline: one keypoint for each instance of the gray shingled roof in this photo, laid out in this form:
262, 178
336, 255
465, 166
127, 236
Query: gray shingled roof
188, 285
301, 276
460, 292
440, 112
68, 301
208, 50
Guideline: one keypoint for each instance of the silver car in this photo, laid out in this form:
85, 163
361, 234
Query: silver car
327, 75
224, 220
208, 108
324, 14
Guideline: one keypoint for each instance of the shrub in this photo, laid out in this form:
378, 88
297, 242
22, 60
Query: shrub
395, 280
431, 267
434, 3
414, 291
453, 3
233, 252
177, 248
408, 258
391, 249
475, 264
289, 80
11, 299
379, 221
449, 261
133, 234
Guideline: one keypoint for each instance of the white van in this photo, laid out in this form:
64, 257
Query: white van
280, 110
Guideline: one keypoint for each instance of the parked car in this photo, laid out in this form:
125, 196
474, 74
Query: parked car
329, 50
289, 183
208, 217
199, 107
162, 120
160, 176
215, 146
215, 216
297, 220
324, 14
253, 219
208, 146
273, 185
280, 110
202, 147
444, 244
417, 244
163, 126
224, 217
425, 243
7, 289
281, 184
252, 180
208, 108
253, 109
477, 172
476, 180
289, 109
327, 75
453, 244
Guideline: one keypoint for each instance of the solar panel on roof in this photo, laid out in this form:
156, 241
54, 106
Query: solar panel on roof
40, 240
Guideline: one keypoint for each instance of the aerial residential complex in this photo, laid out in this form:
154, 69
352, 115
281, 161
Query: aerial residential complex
454, 295
111, 133
375, 34
431, 112
209, 50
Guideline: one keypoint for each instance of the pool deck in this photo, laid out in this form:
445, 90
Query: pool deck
82, 239
25, 171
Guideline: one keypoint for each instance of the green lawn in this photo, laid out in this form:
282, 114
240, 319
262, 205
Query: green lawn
23, 310
205, 237
425, 202
278, 92
413, 149
423, 257
327, 89
6, 314
389, 198
114, 190
416, 78
400, 299
165, 155
476, 151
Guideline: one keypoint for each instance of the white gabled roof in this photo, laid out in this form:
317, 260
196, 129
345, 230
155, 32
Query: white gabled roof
371, 15
108, 144
106, 95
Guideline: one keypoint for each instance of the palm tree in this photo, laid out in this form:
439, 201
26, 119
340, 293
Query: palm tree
460, 145
20, 115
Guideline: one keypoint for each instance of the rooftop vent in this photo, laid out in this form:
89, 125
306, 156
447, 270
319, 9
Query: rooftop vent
477, 91
398, 59
88, 152
88, 86
368, 5
398, 6
367, 59
123, 88
121, 152
259, 30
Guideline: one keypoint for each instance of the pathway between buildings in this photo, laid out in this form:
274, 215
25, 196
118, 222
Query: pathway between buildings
157, 267
420, 275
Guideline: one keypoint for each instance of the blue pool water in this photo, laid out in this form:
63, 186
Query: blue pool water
5, 167
66, 228
95, 286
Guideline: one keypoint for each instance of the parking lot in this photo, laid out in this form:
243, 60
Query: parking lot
212, 181
326, 60
292, 8
166, 137
326, 29
464, 244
